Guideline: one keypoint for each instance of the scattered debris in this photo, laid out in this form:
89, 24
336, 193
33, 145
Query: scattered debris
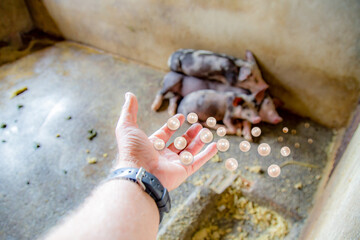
293, 131
298, 185
91, 160
28, 182
105, 155
69, 118
18, 92
317, 177
255, 169
87, 151
3, 125
280, 139
4, 141
92, 134
307, 125
57, 135
64, 171
297, 145
19, 106
298, 163
37, 145
216, 158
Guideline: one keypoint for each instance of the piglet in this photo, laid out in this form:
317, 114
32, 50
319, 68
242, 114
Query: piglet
267, 108
226, 69
223, 106
181, 85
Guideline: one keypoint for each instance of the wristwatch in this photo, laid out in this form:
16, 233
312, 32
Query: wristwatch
149, 183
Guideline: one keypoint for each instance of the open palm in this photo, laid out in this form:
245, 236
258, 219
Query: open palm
136, 149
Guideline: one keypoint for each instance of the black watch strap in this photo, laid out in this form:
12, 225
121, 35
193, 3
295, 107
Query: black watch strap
149, 183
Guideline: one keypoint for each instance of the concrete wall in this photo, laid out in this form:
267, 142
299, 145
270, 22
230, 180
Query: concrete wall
14, 19
309, 50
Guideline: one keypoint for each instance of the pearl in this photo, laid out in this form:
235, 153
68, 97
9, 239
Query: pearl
297, 145
211, 122
221, 131
173, 123
244, 146
186, 158
264, 149
223, 145
206, 135
285, 151
293, 131
280, 139
285, 130
307, 125
255, 131
274, 170
159, 144
310, 141
192, 118
231, 164
180, 143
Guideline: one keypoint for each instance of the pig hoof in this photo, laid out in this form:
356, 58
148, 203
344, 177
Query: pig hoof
157, 103
248, 138
238, 132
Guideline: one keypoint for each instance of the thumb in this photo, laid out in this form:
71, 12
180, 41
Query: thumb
129, 110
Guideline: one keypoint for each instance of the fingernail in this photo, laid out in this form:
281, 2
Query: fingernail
127, 95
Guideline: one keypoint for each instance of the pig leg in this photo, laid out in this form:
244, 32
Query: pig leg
171, 83
247, 130
173, 103
158, 101
230, 128
238, 126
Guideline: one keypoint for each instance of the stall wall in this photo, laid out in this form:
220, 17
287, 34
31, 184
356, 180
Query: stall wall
309, 51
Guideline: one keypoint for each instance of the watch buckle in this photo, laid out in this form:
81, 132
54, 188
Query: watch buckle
139, 177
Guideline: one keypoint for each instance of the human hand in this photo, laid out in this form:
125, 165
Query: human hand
136, 149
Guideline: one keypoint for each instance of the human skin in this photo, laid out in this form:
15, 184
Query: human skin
120, 209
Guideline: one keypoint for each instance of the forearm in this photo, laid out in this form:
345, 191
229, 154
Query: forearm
118, 209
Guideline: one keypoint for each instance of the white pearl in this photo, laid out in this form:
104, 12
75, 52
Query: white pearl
206, 135
173, 123
280, 139
192, 118
293, 131
211, 122
221, 131
285, 130
264, 149
310, 141
244, 146
231, 164
180, 143
223, 145
307, 125
159, 144
285, 151
297, 145
186, 158
274, 170
255, 131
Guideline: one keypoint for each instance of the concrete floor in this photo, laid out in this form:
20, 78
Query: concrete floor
40, 185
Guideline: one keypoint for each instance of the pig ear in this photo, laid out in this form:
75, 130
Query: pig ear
237, 101
244, 73
249, 56
260, 96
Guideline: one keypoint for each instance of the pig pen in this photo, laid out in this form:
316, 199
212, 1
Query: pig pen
74, 88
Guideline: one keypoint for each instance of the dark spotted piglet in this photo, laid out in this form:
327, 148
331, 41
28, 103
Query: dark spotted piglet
181, 85
220, 105
220, 67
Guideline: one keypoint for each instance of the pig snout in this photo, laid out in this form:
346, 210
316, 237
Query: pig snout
270, 116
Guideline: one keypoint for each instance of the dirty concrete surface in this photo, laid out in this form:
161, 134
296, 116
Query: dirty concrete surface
39, 185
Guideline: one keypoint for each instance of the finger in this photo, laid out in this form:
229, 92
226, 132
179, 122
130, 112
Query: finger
129, 110
202, 158
196, 145
164, 132
189, 136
